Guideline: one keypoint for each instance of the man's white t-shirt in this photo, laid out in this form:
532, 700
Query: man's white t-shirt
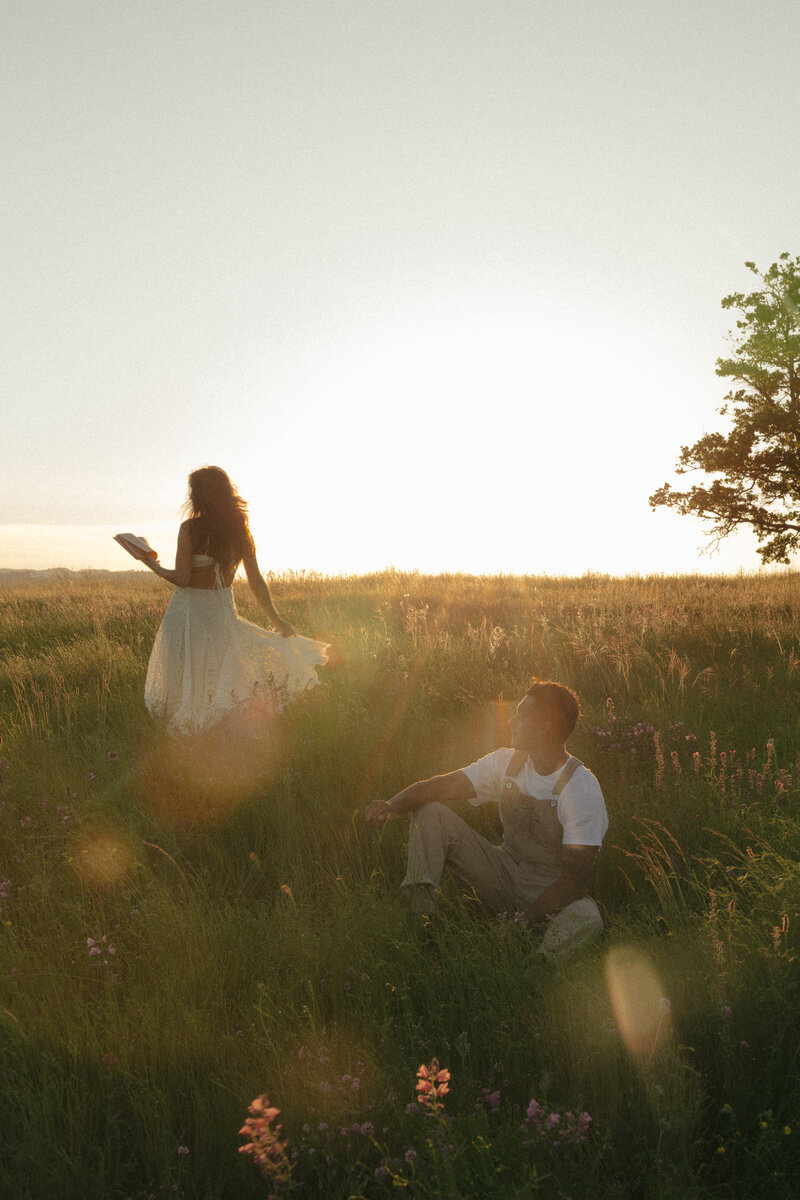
581, 808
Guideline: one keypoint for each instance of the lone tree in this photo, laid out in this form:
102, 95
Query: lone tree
758, 462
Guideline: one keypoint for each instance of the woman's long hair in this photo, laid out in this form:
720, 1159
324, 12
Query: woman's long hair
218, 516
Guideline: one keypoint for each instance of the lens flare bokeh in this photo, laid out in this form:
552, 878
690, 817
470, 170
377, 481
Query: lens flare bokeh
184, 782
102, 856
642, 1011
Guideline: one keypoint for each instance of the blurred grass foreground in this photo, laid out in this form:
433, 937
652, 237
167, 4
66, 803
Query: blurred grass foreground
192, 929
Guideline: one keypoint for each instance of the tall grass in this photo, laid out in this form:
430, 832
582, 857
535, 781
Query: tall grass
185, 928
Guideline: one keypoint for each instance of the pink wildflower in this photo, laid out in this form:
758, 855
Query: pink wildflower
490, 1100
266, 1146
541, 1125
433, 1082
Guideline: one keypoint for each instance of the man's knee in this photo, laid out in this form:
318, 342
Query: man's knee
576, 925
432, 812
436, 817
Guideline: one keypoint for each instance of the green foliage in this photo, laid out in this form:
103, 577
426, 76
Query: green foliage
758, 461
250, 939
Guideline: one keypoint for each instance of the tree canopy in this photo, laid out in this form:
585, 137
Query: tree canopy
757, 463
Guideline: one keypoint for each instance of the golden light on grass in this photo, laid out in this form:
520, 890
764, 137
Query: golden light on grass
184, 782
641, 1010
102, 857
393, 723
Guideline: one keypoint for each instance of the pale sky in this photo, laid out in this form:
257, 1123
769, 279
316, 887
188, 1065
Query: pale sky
437, 282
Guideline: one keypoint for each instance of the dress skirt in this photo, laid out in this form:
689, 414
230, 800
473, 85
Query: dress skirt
207, 661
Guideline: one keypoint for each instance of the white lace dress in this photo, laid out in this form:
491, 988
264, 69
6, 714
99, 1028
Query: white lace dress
207, 661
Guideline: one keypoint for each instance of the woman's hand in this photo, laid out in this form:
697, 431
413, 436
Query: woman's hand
284, 628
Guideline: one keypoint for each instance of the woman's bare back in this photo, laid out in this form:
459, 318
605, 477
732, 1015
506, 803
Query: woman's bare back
204, 575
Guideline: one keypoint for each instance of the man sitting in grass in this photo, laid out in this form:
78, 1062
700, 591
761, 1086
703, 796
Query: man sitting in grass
553, 817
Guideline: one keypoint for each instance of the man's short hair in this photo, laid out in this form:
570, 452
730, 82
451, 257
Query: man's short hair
559, 701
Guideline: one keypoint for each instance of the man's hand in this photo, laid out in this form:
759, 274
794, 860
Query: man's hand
378, 813
576, 868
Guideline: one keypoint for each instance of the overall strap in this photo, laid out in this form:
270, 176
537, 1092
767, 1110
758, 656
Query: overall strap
570, 767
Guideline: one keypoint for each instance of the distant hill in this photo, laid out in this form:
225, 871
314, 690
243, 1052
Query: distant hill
10, 576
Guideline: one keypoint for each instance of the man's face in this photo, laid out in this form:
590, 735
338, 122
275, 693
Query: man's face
530, 726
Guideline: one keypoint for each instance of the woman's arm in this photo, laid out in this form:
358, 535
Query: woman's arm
183, 560
259, 588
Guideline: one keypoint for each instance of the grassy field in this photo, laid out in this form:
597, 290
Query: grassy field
187, 928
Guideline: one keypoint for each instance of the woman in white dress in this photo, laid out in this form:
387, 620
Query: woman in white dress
207, 662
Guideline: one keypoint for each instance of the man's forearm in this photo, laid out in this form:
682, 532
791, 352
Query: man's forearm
446, 789
415, 796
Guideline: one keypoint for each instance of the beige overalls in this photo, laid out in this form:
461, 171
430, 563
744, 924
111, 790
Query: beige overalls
510, 876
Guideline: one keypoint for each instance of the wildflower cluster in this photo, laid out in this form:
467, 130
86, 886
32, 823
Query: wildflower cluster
266, 1146
98, 948
673, 756
433, 1082
731, 775
488, 1101
638, 741
346, 1151
553, 1127
515, 918
316, 1062
355, 1155
61, 812
347, 1083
